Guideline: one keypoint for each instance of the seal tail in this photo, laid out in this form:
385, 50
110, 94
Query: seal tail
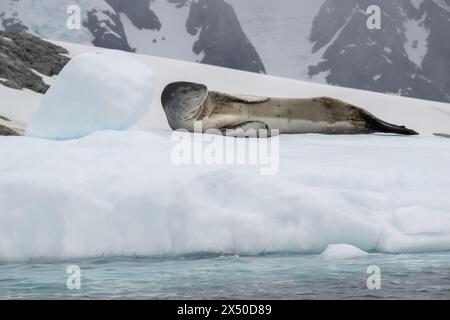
374, 124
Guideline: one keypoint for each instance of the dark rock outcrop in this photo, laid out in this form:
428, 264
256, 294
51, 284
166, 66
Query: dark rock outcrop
21, 54
11, 22
378, 60
7, 129
107, 33
110, 33
436, 64
138, 11
221, 38
13, 25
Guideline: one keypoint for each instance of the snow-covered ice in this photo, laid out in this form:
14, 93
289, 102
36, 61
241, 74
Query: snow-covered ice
100, 90
426, 117
342, 252
118, 193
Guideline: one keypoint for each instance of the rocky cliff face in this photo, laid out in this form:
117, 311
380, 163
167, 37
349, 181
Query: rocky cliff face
436, 63
107, 29
138, 11
7, 128
23, 57
221, 38
105, 23
407, 56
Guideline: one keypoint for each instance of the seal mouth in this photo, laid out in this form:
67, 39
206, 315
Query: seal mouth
183, 101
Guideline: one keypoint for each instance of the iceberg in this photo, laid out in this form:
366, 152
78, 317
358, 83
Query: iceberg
118, 193
100, 90
342, 252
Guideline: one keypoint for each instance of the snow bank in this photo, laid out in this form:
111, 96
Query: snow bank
425, 117
118, 193
342, 252
18, 104
101, 90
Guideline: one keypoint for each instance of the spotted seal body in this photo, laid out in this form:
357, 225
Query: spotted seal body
186, 103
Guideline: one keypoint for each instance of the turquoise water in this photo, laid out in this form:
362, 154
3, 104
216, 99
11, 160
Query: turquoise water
276, 276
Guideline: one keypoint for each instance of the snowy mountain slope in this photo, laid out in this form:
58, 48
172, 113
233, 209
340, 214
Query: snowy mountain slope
328, 42
47, 19
205, 31
424, 116
119, 193
280, 32
305, 40
26, 61
165, 40
406, 56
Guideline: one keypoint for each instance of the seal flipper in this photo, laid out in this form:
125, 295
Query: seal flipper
248, 129
374, 124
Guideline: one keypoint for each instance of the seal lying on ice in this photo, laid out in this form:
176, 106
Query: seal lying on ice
186, 103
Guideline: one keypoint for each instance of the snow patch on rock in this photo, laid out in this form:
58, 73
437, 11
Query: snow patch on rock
416, 45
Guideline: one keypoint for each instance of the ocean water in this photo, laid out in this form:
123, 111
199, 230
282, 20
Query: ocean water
208, 276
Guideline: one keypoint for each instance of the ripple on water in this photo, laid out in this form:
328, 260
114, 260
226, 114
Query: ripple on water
276, 276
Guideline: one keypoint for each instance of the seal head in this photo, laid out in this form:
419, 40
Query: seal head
182, 102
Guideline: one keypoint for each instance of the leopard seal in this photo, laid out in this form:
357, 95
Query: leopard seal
186, 103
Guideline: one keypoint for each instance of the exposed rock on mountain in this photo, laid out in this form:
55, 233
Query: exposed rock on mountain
407, 56
436, 63
23, 57
324, 41
107, 29
138, 12
205, 31
6, 129
221, 38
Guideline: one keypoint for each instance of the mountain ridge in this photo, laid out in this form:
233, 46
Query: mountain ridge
308, 40
209, 31
393, 59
